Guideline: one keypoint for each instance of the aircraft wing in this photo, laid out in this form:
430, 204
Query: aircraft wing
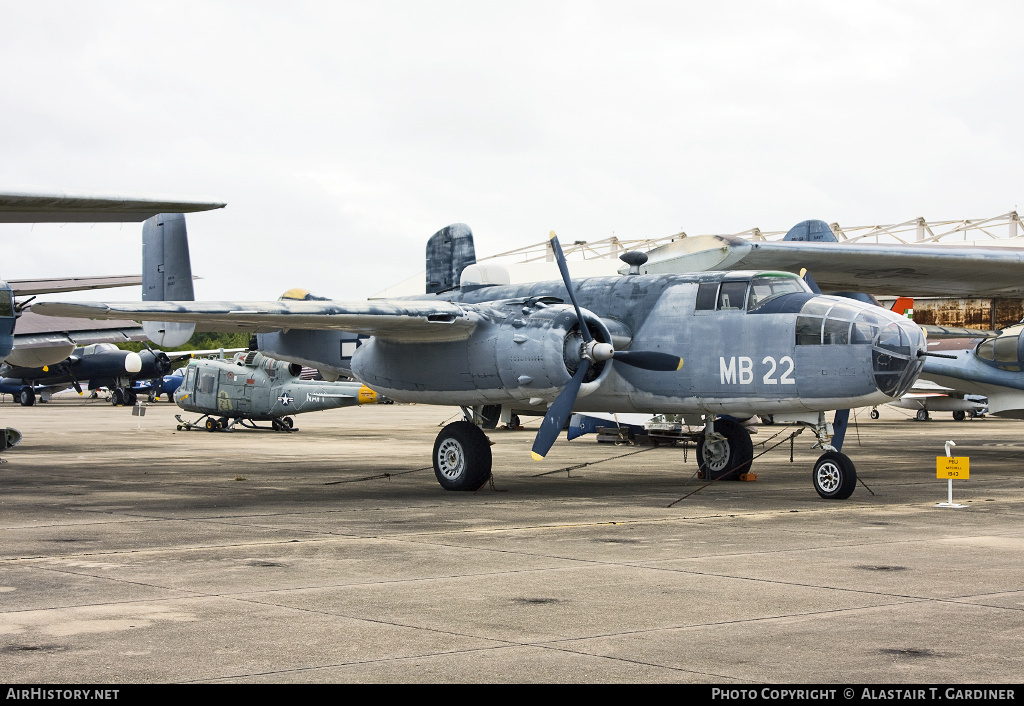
402, 321
909, 270
59, 207
35, 331
54, 285
937, 333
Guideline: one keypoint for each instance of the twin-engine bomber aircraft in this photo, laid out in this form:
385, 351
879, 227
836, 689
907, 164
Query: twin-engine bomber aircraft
753, 342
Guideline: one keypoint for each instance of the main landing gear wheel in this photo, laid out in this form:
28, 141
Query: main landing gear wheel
874, 414
117, 397
729, 458
922, 415
959, 415
462, 457
834, 476
212, 424
27, 397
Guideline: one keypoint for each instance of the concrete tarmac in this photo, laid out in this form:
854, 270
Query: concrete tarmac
136, 553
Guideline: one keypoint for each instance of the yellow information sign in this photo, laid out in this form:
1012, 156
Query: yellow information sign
958, 467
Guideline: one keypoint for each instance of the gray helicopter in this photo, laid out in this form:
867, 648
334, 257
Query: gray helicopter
254, 387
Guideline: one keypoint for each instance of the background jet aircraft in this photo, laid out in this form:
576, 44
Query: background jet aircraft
254, 387
754, 342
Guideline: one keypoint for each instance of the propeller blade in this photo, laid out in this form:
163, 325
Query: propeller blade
162, 363
649, 360
810, 281
558, 413
556, 248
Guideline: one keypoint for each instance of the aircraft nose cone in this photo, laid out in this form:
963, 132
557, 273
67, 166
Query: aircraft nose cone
896, 356
132, 363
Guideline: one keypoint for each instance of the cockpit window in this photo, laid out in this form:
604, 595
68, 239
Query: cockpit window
707, 294
1001, 350
732, 295
817, 307
836, 332
765, 288
828, 322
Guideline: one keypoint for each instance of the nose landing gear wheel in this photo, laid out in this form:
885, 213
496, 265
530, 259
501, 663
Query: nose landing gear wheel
835, 476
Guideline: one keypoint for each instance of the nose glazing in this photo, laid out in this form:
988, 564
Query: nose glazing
895, 356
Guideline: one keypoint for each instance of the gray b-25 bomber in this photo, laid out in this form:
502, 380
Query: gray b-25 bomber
754, 343
253, 388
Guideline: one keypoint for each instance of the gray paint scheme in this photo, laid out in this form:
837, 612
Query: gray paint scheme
166, 274
449, 251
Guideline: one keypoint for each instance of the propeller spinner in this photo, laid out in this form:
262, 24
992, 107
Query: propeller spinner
591, 352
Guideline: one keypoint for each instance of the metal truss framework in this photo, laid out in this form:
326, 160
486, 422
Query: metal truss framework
1005, 229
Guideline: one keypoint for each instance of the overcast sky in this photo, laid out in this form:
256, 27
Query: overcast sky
342, 134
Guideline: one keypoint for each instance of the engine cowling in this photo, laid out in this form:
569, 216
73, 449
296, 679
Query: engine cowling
537, 351
525, 352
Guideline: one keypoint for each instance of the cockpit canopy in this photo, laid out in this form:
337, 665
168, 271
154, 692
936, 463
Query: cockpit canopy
741, 291
94, 348
1005, 352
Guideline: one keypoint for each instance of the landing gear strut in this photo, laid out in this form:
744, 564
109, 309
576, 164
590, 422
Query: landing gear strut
835, 476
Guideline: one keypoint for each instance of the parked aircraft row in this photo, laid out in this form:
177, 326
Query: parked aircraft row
755, 342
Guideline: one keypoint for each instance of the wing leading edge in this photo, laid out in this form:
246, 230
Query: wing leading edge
59, 207
397, 321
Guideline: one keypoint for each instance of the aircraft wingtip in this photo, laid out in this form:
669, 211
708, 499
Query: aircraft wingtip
536, 456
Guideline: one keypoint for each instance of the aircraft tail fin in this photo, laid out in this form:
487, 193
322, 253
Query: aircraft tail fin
811, 232
904, 306
166, 274
449, 251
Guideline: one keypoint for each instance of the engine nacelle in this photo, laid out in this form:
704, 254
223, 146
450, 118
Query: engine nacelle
537, 353
525, 352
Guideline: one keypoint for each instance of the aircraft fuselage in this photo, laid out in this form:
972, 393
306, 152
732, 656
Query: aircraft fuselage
743, 353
